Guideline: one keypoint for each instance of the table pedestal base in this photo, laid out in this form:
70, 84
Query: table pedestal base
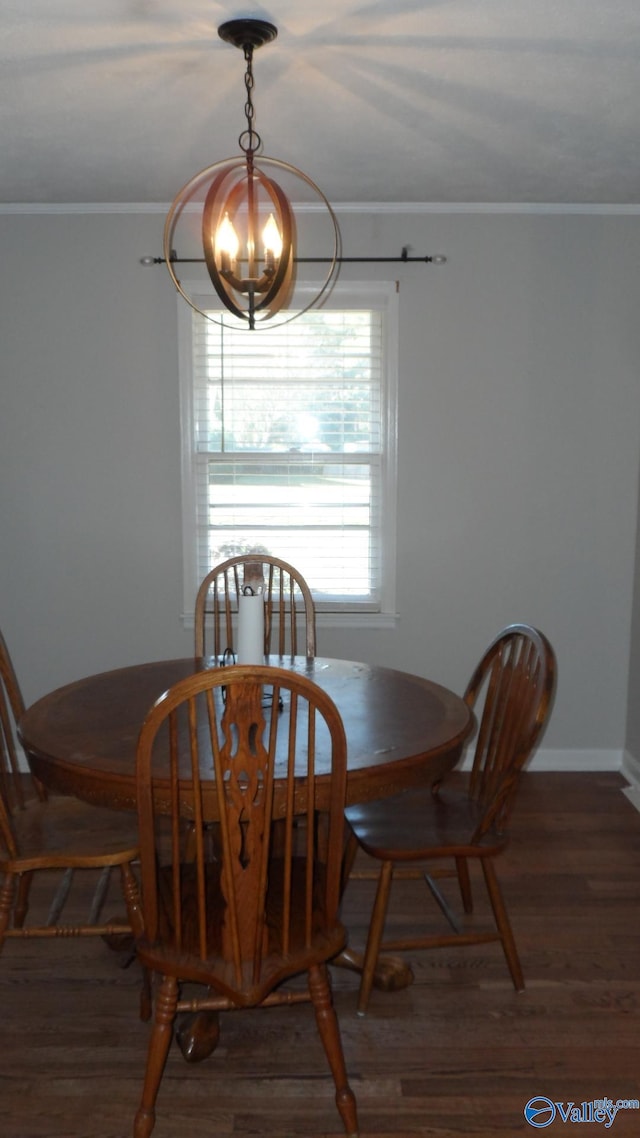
391, 975
198, 1035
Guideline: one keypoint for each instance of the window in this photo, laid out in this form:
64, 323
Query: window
289, 446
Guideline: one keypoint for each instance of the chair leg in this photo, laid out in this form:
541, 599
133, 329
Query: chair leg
464, 882
132, 899
445, 909
350, 850
99, 895
329, 1031
7, 895
22, 901
61, 896
503, 924
166, 1004
374, 938
146, 996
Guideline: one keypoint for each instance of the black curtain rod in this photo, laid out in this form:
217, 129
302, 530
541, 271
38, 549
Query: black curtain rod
403, 258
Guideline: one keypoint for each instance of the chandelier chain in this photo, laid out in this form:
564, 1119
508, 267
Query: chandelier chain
249, 140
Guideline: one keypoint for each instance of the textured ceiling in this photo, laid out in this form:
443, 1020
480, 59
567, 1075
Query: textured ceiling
481, 101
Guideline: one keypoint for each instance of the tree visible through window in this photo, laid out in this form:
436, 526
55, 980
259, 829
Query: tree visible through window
292, 446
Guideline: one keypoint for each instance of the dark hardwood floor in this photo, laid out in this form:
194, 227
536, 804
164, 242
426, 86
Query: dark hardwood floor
458, 1053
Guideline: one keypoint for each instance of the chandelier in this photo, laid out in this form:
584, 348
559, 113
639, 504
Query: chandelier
249, 231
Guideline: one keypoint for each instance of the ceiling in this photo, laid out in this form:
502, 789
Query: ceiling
416, 101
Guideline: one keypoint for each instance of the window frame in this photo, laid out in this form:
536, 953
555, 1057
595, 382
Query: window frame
381, 295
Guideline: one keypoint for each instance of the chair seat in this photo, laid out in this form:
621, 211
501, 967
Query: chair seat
419, 824
61, 830
219, 975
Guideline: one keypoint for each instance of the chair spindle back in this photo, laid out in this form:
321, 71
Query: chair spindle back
514, 684
288, 602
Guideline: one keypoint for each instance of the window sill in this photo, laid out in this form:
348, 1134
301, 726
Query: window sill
335, 620
356, 619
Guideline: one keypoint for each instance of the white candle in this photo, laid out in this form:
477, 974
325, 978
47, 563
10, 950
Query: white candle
251, 628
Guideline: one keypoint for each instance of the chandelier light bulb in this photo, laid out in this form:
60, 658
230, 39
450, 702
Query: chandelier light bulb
227, 245
272, 239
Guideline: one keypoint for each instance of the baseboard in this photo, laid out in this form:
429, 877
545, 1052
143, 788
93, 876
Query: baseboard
581, 759
631, 769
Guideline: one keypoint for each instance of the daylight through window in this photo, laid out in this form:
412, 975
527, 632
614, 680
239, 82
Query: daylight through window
292, 435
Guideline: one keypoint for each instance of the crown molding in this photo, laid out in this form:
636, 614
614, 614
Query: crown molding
487, 208
363, 208
56, 208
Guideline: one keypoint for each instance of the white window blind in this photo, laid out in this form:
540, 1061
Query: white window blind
290, 447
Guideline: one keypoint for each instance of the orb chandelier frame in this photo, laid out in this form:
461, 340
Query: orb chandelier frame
248, 224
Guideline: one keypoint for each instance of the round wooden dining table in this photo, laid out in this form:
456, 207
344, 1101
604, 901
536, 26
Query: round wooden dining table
401, 729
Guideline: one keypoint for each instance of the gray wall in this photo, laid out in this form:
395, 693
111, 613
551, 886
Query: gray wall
519, 450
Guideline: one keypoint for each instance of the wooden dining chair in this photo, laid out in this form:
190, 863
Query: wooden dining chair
511, 691
225, 907
54, 838
288, 604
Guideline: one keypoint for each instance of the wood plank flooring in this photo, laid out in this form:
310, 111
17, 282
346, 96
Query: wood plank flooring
459, 1053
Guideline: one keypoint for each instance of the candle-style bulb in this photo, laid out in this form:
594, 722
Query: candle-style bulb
227, 243
272, 240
